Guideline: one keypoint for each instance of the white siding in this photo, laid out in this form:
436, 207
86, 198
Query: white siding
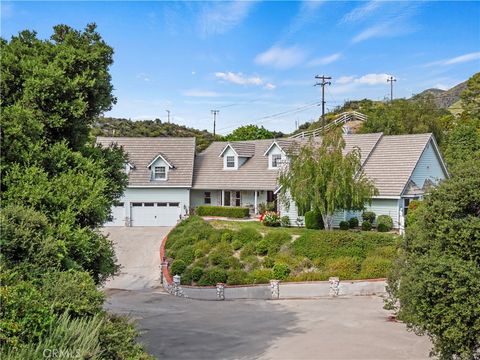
291, 212
428, 167
384, 207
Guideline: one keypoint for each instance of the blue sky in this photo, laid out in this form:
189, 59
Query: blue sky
256, 61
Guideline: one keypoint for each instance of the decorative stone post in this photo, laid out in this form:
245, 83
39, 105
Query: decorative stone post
176, 285
334, 286
220, 291
275, 289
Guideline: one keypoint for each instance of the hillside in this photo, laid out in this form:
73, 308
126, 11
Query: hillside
444, 98
107, 126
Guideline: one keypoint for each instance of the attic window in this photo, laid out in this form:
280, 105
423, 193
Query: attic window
230, 161
276, 159
160, 173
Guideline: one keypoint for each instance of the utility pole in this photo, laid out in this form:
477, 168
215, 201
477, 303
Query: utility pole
168, 112
323, 83
214, 112
391, 80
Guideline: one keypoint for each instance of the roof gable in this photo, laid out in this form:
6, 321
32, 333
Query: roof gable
241, 149
163, 157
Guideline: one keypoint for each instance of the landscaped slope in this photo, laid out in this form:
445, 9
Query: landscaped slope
238, 253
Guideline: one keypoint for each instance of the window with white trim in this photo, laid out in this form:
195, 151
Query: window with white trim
276, 160
160, 173
207, 197
230, 161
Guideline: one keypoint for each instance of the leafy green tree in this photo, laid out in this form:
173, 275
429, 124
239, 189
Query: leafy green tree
471, 99
250, 132
321, 178
434, 286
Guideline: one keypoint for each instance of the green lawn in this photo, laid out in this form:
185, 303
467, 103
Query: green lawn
247, 252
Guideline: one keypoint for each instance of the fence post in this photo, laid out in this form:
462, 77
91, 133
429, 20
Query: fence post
334, 286
275, 289
220, 291
176, 285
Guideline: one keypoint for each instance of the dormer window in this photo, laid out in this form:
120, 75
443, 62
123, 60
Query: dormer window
160, 173
230, 162
276, 160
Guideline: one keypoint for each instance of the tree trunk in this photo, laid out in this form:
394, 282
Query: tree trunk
328, 221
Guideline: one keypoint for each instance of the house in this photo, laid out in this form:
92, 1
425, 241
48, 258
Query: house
160, 176
166, 172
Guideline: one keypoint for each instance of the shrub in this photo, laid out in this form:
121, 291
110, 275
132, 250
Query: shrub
72, 291
268, 262
280, 271
226, 211
385, 222
251, 262
186, 278
260, 276
213, 276
353, 222
227, 235
345, 267
197, 273
236, 277
237, 245
285, 221
271, 218
369, 216
118, 339
386, 252
275, 240
247, 250
375, 267
382, 228
246, 235
177, 267
344, 225
313, 220
186, 254
262, 247
199, 253
264, 207
366, 226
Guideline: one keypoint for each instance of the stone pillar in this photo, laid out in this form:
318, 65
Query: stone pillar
176, 285
221, 291
275, 289
334, 286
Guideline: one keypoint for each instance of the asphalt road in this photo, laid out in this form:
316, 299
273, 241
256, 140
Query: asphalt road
341, 328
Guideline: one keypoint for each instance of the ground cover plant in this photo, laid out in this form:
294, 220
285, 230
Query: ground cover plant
207, 252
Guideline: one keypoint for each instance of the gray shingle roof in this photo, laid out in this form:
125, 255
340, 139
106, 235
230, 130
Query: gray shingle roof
243, 149
180, 152
392, 162
254, 173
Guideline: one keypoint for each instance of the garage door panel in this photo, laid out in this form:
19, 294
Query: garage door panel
155, 214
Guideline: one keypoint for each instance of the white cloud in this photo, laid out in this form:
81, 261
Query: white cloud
367, 79
305, 15
281, 57
144, 77
345, 79
239, 78
441, 87
325, 60
456, 60
269, 86
361, 12
221, 17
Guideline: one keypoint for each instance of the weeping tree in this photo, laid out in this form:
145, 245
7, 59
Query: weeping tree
320, 177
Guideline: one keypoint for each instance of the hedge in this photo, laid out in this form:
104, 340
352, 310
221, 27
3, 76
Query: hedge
313, 220
384, 223
226, 211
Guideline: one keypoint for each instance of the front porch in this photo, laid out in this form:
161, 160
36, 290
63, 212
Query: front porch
251, 199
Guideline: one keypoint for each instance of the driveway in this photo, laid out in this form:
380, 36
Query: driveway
138, 253
342, 328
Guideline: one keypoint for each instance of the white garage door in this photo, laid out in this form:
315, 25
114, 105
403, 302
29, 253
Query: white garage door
118, 216
155, 213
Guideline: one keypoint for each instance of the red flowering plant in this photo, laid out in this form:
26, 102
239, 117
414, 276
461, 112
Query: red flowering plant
270, 218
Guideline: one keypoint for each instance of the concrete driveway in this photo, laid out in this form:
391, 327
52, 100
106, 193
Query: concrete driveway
354, 327
138, 253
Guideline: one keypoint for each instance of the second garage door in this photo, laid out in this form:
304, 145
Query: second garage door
155, 213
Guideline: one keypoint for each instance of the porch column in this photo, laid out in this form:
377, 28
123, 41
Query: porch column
223, 197
256, 202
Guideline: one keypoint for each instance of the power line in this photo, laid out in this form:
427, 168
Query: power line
214, 112
322, 84
391, 80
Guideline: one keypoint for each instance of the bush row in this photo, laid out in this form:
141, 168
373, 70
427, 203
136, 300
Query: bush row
226, 211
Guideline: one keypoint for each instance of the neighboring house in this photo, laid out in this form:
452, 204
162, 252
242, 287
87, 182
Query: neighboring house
244, 173
160, 174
